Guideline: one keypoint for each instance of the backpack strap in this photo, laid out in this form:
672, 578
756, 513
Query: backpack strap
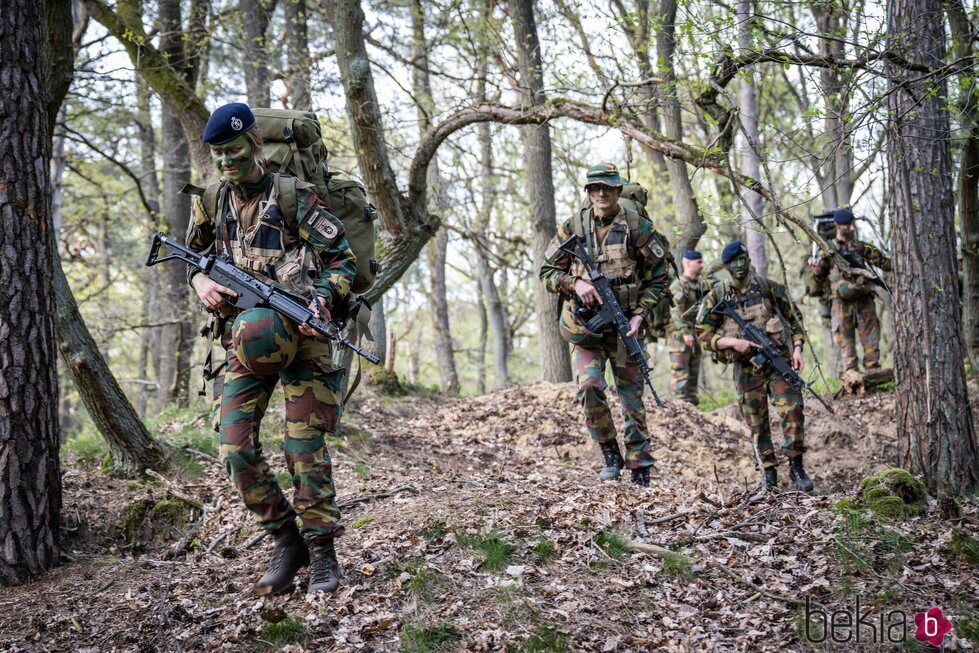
284, 191
209, 198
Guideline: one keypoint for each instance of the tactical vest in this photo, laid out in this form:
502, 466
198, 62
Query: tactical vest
612, 255
845, 286
276, 246
755, 305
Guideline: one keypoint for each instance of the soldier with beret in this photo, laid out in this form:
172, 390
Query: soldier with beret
688, 290
853, 311
625, 248
767, 305
274, 227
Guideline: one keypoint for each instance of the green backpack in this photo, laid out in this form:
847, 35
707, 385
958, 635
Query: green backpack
293, 144
633, 198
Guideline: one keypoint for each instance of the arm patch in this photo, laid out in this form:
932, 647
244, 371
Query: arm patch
320, 228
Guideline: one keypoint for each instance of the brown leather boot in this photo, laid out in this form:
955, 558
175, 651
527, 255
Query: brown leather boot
289, 556
324, 570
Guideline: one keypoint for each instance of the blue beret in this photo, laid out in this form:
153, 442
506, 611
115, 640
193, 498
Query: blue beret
692, 255
843, 216
227, 123
732, 250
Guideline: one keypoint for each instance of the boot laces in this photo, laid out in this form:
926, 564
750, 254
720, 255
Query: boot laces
323, 566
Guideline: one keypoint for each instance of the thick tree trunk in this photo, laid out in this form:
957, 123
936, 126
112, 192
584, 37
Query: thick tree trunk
555, 359
177, 337
255, 16
753, 205
297, 55
836, 170
30, 475
687, 218
934, 418
150, 342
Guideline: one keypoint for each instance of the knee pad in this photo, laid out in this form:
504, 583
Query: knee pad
264, 341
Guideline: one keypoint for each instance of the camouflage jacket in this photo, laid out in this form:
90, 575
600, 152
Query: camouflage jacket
305, 252
711, 326
837, 281
686, 293
651, 270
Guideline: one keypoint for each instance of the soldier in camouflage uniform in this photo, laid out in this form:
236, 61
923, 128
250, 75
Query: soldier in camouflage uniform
303, 249
767, 305
687, 290
627, 251
852, 311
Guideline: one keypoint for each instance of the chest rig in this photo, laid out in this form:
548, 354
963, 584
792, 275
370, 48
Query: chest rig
848, 286
755, 305
265, 238
613, 255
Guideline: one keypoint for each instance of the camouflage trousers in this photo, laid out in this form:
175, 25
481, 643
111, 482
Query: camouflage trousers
312, 389
754, 387
850, 319
589, 366
684, 368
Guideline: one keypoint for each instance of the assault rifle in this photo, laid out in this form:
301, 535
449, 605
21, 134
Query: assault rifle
611, 313
250, 292
768, 353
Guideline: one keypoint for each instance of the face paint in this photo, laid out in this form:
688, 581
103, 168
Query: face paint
233, 160
738, 267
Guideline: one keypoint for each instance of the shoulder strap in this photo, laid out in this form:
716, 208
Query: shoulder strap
284, 188
210, 200
632, 220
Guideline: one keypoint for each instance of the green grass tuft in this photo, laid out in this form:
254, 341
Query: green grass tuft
962, 546
272, 637
612, 543
362, 470
426, 583
678, 565
494, 547
86, 448
545, 549
433, 531
543, 640
363, 521
418, 638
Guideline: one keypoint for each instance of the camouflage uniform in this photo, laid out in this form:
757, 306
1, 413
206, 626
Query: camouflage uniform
754, 386
852, 307
306, 253
635, 259
684, 360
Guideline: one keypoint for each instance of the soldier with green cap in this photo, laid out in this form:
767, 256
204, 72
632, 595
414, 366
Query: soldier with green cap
624, 246
767, 305
300, 246
853, 312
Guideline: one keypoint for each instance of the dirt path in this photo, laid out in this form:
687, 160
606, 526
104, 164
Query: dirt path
500, 538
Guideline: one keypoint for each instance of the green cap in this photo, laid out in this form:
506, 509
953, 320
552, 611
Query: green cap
605, 174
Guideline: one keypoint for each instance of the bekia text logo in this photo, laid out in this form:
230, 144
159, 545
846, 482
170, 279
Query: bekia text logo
931, 627
887, 627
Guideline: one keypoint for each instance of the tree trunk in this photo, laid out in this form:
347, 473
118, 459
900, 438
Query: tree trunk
30, 474
555, 359
753, 207
149, 353
297, 55
480, 357
379, 329
177, 337
437, 249
255, 14
688, 218
934, 418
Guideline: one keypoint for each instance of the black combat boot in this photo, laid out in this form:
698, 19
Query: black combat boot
613, 461
324, 570
640, 476
289, 556
771, 478
797, 474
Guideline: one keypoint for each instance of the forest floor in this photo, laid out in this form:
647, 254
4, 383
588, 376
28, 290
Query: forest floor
478, 524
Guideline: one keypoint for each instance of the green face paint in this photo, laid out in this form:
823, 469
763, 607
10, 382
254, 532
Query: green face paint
738, 267
234, 160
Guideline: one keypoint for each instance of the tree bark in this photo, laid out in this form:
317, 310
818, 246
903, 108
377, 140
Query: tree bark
444, 355
555, 360
836, 171
753, 206
255, 16
30, 474
934, 418
297, 55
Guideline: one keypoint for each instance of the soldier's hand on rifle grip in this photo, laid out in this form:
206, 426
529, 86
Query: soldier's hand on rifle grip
211, 293
688, 340
587, 293
798, 362
320, 311
634, 323
739, 345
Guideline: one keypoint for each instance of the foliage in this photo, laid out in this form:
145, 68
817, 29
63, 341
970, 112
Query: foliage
419, 638
493, 546
893, 493
274, 636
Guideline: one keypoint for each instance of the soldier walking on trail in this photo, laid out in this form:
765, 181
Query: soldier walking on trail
627, 252
274, 227
852, 311
687, 290
767, 305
